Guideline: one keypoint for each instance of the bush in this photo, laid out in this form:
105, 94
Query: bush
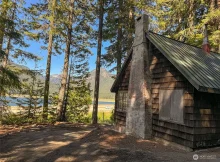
16, 120
13, 119
79, 101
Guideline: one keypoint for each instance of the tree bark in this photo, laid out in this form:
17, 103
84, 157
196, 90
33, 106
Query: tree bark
214, 4
191, 15
131, 25
47, 77
5, 61
119, 39
31, 97
67, 93
217, 4
3, 13
98, 64
66, 65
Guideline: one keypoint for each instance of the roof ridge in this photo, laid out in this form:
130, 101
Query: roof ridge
181, 41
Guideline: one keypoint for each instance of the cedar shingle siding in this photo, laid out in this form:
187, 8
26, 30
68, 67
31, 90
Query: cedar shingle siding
120, 117
201, 110
206, 118
166, 76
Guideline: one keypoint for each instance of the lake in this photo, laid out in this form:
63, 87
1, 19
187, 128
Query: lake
12, 101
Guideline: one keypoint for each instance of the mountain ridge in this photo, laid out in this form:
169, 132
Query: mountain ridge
106, 82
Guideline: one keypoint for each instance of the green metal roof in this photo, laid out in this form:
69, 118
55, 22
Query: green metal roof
202, 70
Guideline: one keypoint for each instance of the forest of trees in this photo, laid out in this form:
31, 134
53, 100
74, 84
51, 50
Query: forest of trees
72, 27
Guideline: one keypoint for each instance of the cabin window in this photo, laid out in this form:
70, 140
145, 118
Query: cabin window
171, 105
122, 100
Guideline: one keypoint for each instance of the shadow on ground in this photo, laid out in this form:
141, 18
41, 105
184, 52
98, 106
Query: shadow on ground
84, 143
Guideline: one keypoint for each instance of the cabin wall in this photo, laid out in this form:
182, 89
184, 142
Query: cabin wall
120, 116
201, 127
206, 119
166, 76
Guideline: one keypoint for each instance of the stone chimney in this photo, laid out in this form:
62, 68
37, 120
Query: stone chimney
138, 117
205, 45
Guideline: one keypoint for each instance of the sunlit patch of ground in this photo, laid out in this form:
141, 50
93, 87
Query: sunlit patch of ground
66, 142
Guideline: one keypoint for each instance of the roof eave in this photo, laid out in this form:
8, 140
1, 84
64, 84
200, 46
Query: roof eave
209, 90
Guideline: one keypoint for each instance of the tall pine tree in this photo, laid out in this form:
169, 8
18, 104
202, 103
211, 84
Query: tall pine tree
184, 20
76, 24
119, 30
66, 59
98, 63
52, 8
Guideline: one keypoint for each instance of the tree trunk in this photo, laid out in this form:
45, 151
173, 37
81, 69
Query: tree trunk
47, 77
98, 64
5, 61
191, 15
119, 39
67, 93
131, 21
31, 97
3, 14
66, 65
214, 4
217, 3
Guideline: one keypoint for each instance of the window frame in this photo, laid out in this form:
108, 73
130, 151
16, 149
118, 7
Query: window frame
122, 101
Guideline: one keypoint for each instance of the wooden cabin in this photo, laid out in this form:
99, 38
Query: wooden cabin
169, 90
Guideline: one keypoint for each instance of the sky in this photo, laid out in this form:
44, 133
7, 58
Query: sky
57, 61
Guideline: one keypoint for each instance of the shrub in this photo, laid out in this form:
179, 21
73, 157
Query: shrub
79, 101
16, 120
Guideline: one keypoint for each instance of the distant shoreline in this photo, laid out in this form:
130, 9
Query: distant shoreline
106, 100
101, 99
101, 108
17, 95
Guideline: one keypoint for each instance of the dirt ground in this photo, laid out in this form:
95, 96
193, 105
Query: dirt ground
67, 142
